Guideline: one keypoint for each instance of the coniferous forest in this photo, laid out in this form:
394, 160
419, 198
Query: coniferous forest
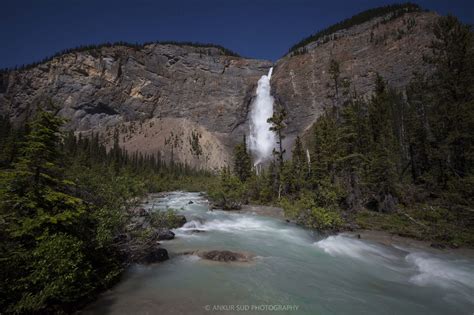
64, 202
401, 161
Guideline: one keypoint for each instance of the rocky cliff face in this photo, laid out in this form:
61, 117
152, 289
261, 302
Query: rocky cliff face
394, 49
156, 97
191, 103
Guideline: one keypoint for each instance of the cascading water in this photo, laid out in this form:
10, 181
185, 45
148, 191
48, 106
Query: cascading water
262, 140
291, 266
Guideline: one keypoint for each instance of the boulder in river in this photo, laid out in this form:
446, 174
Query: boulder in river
196, 231
180, 221
163, 234
156, 254
221, 256
224, 256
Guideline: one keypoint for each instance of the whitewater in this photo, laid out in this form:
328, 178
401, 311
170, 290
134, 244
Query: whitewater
261, 139
294, 271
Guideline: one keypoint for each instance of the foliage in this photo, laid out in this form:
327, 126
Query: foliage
229, 193
385, 161
164, 219
196, 148
37, 208
34, 189
63, 202
60, 271
306, 211
278, 125
242, 161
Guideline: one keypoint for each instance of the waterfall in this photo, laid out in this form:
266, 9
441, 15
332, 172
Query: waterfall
262, 140
308, 158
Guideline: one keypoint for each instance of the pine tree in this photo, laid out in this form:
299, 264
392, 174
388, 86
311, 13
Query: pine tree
418, 125
299, 166
36, 194
9, 142
355, 144
452, 100
383, 157
325, 148
278, 126
39, 219
242, 161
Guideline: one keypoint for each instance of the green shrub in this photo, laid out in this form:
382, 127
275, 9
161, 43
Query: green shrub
324, 219
165, 219
305, 210
229, 193
60, 274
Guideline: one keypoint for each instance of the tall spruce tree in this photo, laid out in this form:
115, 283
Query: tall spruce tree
278, 125
299, 165
382, 173
36, 193
452, 104
242, 161
39, 217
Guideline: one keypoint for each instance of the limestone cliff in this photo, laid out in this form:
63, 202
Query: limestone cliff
392, 48
191, 103
156, 97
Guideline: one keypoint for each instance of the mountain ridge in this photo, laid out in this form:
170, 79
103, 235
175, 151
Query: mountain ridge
383, 11
106, 88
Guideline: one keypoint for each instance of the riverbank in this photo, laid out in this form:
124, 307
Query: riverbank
268, 211
404, 227
378, 236
387, 238
390, 239
247, 258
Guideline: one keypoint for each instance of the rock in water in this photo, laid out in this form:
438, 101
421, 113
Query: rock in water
180, 221
196, 231
224, 256
163, 235
156, 254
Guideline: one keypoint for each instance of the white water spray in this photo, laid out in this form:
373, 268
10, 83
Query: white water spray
308, 158
262, 140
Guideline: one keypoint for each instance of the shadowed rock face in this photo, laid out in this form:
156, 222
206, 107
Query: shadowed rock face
154, 255
394, 50
159, 97
152, 95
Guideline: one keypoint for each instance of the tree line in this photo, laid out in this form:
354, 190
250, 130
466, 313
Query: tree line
136, 46
401, 160
64, 203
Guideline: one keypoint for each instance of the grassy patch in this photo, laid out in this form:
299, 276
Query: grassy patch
423, 222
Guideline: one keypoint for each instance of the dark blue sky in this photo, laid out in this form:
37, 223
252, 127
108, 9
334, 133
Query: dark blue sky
32, 30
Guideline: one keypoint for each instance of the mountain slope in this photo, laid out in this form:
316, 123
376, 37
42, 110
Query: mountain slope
394, 49
110, 89
191, 104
